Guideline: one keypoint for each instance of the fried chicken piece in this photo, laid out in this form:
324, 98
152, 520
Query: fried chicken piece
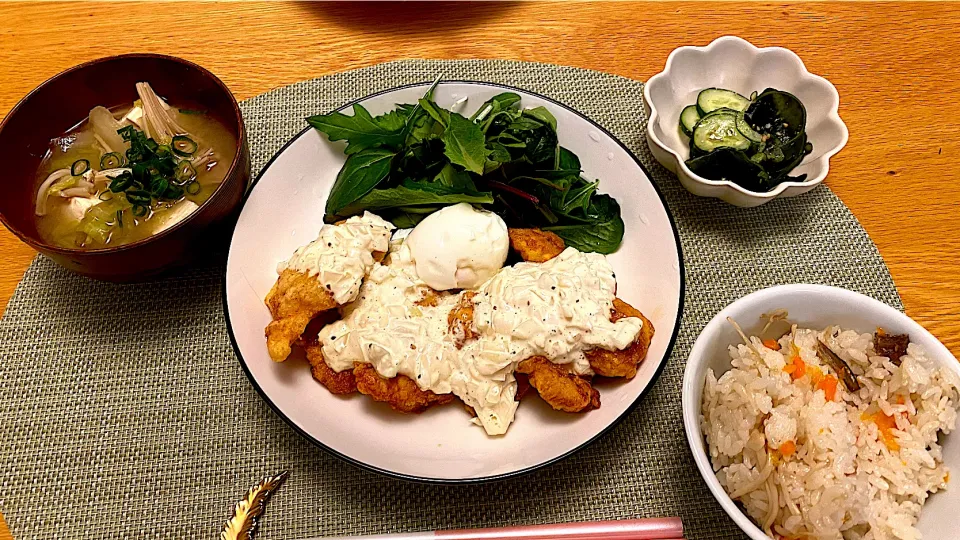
312, 332
535, 245
400, 392
294, 300
460, 320
623, 363
564, 391
337, 383
893, 346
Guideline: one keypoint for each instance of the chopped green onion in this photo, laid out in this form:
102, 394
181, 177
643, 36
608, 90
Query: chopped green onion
183, 146
185, 172
139, 210
111, 160
173, 193
151, 145
193, 187
158, 185
139, 197
133, 154
127, 133
120, 182
109, 196
120, 218
192, 111
79, 167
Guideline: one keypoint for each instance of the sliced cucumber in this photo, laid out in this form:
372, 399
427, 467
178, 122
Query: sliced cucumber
712, 99
688, 119
744, 128
719, 130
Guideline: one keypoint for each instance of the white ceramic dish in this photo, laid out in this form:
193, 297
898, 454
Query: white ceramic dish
285, 210
732, 63
810, 306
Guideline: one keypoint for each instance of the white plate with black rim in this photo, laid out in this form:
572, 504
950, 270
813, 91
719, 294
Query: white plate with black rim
284, 210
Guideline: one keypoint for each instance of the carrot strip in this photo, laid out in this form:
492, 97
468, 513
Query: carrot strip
829, 386
800, 368
788, 448
771, 344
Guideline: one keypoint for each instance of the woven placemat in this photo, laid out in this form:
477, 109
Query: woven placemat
125, 414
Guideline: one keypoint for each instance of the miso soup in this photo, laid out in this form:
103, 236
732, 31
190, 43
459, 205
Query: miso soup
125, 174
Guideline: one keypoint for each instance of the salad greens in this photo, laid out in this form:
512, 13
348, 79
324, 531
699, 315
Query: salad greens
753, 142
420, 157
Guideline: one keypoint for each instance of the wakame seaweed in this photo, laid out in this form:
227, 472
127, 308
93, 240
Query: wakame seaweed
769, 140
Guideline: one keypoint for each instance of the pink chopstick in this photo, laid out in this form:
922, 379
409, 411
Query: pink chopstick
627, 529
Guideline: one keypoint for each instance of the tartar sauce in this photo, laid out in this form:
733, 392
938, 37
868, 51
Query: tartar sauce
557, 309
342, 255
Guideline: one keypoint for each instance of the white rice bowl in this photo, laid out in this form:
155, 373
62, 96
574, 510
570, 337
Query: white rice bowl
845, 477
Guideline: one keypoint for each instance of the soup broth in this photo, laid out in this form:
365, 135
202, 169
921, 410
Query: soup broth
87, 210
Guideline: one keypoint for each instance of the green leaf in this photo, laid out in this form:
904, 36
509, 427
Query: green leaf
361, 173
543, 115
578, 197
464, 144
361, 131
525, 124
412, 194
497, 103
440, 115
567, 160
602, 235
404, 220
452, 177
499, 153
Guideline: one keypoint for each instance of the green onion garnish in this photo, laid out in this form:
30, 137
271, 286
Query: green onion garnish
158, 172
172, 193
120, 218
127, 133
121, 182
79, 167
183, 146
158, 185
139, 197
111, 160
185, 173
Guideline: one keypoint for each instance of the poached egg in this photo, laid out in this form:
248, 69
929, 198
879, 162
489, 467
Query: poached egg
458, 247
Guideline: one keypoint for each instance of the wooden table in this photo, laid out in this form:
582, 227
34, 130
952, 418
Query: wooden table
894, 65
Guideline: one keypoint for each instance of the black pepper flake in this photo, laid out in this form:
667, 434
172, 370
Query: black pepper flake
333, 338
494, 308
329, 244
553, 288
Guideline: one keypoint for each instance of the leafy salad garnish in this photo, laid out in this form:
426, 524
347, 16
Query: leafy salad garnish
420, 157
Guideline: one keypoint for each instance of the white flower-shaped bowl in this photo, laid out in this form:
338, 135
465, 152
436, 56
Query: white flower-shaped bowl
735, 64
